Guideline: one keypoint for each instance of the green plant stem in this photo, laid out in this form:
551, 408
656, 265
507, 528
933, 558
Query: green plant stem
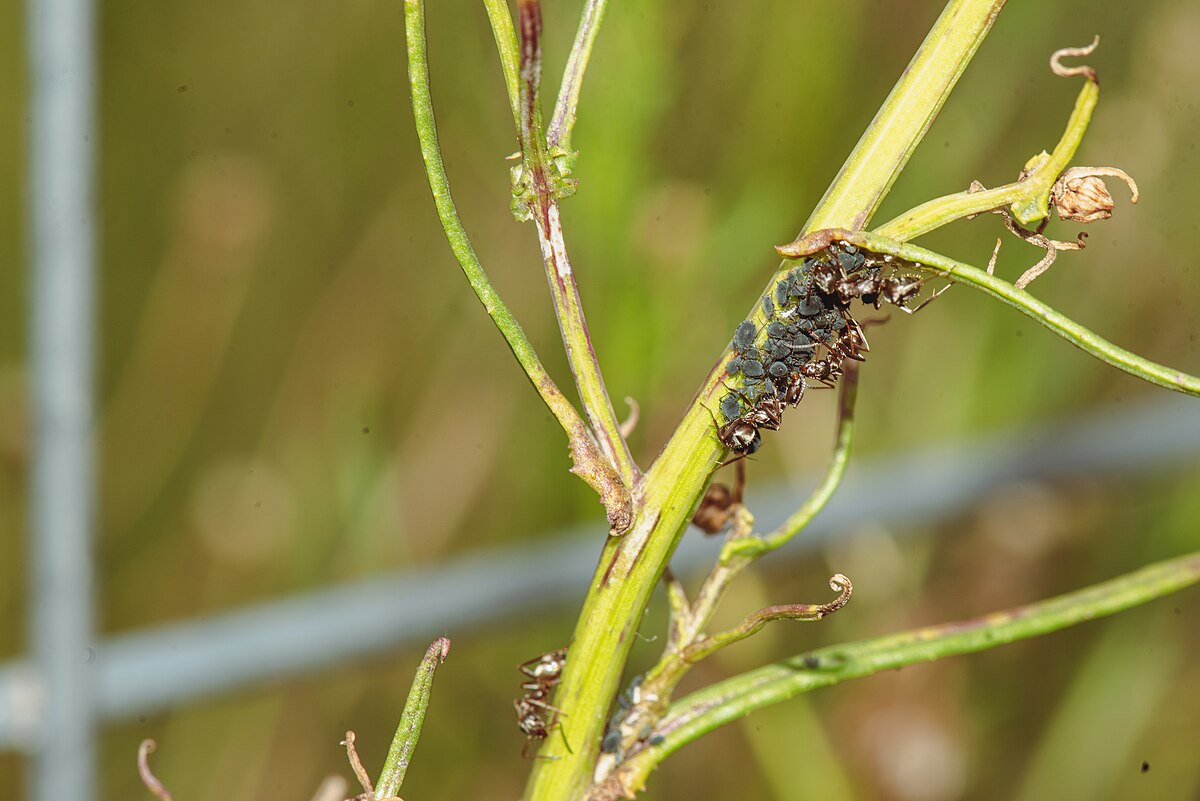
561, 276
1019, 299
753, 547
630, 566
687, 643
755, 621
510, 55
734, 698
588, 463
1029, 197
411, 720
562, 123
905, 115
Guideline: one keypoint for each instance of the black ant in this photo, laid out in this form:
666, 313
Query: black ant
739, 435
826, 371
873, 289
851, 343
535, 716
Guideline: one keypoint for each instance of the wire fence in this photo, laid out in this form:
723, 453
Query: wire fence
148, 671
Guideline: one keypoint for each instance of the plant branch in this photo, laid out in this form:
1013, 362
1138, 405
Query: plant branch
411, 720
542, 185
905, 115
1029, 196
754, 622
1019, 299
510, 54
630, 566
734, 698
687, 644
753, 547
562, 123
589, 464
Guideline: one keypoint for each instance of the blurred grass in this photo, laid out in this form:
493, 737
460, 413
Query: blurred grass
298, 389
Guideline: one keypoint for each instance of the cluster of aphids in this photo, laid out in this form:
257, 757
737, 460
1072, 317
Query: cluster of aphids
809, 333
535, 716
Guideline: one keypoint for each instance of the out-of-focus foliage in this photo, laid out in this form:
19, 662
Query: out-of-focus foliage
298, 388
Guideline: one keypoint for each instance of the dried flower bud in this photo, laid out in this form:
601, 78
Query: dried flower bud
1080, 195
1084, 200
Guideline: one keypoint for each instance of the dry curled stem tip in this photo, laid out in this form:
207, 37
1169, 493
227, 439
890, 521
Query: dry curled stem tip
356, 765
1037, 238
1080, 195
1066, 72
151, 781
590, 465
631, 421
991, 268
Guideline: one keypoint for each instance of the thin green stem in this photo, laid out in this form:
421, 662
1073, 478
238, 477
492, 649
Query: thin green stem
589, 464
630, 566
562, 123
753, 547
510, 54
687, 643
1019, 299
1029, 197
409, 731
905, 115
660, 681
755, 621
546, 186
734, 698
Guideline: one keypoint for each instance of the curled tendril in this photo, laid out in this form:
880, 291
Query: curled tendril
840, 584
1066, 72
1037, 238
360, 772
635, 412
151, 781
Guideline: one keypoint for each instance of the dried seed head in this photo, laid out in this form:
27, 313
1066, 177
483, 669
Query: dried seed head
1084, 200
1080, 195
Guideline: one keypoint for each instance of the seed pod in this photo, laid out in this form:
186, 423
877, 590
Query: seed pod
1084, 199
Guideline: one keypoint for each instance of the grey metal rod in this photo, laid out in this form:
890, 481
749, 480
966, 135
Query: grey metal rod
62, 138
142, 672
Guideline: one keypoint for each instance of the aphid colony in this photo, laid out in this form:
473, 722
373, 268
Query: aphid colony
535, 716
808, 335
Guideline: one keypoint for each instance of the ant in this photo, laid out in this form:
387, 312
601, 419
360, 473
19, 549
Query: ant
873, 289
543, 674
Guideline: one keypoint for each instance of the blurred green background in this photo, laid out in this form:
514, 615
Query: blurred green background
298, 388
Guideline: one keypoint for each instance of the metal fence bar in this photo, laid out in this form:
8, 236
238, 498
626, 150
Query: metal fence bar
150, 670
61, 141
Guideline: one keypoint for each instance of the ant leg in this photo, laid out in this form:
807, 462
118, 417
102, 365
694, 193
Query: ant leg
927, 300
562, 733
734, 460
859, 333
739, 482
